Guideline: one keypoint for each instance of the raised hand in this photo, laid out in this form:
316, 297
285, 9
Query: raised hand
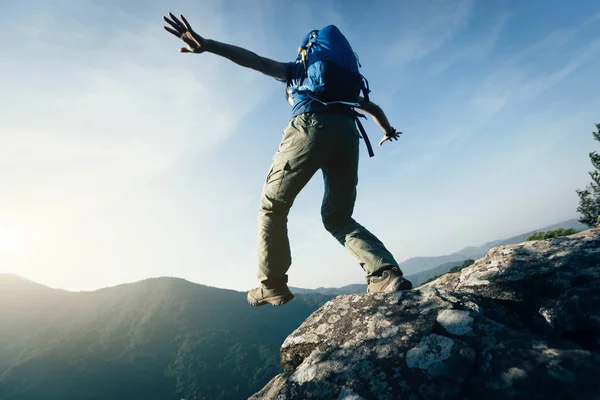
391, 135
183, 30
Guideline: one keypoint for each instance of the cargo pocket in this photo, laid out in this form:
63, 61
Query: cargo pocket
276, 176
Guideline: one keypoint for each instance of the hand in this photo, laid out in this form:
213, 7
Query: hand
194, 42
392, 134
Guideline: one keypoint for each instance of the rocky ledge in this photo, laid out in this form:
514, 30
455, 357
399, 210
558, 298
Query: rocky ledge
521, 323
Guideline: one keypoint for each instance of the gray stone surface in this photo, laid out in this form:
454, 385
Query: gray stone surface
523, 322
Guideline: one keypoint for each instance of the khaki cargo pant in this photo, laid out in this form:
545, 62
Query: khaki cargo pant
314, 141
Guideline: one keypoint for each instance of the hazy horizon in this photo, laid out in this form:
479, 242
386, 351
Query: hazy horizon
121, 159
226, 288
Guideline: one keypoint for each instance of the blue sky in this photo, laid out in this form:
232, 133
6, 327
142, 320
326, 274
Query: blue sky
121, 159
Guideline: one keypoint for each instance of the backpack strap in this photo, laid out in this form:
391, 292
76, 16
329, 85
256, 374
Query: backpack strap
363, 133
365, 91
365, 88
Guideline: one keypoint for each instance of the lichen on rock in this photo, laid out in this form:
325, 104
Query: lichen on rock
456, 322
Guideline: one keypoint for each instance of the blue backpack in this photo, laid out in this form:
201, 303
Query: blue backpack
332, 74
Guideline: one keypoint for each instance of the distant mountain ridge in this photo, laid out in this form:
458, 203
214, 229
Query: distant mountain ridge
354, 288
161, 338
419, 264
480, 251
420, 269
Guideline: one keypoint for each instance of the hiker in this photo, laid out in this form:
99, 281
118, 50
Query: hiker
321, 134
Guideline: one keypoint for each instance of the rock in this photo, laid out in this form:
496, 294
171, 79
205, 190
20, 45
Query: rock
523, 322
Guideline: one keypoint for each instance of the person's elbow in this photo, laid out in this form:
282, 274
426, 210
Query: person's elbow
373, 109
274, 69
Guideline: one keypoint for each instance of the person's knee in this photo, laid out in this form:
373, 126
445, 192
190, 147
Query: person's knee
272, 205
334, 223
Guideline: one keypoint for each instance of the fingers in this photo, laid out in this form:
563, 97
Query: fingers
178, 22
174, 25
185, 50
394, 134
391, 134
187, 24
390, 137
173, 31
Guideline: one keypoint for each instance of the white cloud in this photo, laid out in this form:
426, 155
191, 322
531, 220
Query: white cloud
476, 49
554, 41
510, 85
534, 87
427, 29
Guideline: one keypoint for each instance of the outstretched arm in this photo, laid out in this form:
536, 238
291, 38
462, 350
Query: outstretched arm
380, 119
197, 44
248, 59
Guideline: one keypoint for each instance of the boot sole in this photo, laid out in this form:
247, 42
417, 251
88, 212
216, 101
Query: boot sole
274, 301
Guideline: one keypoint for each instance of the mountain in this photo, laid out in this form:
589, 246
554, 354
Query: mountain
421, 269
479, 251
419, 264
24, 306
355, 288
421, 277
162, 338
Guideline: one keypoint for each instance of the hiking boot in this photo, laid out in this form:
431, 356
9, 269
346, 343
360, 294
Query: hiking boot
390, 280
262, 296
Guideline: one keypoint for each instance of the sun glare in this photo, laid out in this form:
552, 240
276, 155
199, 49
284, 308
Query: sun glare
8, 240
4, 238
